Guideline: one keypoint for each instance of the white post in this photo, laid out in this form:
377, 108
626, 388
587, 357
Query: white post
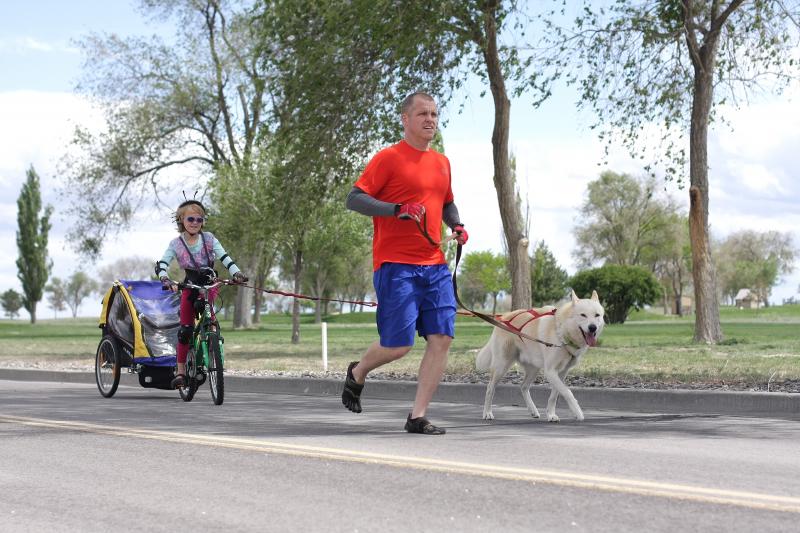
325, 346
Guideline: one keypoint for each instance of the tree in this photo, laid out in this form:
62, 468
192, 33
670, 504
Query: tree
623, 221
127, 268
674, 267
548, 280
202, 104
666, 65
198, 104
78, 287
56, 295
330, 43
486, 272
33, 264
11, 301
754, 260
621, 288
248, 199
338, 234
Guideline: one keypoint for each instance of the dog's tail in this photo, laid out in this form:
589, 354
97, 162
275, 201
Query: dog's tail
484, 358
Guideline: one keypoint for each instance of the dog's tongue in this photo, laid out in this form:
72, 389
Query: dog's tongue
591, 339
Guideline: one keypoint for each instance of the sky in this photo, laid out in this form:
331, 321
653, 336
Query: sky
753, 162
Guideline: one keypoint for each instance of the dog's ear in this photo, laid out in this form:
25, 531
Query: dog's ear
573, 296
594, 296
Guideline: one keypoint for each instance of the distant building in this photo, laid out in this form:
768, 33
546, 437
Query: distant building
747, 299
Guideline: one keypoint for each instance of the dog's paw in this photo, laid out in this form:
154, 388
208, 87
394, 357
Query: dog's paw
553, 418
535, 413
579, 417
488, 416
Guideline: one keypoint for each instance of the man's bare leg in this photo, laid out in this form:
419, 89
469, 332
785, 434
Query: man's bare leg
375, 357
431, 370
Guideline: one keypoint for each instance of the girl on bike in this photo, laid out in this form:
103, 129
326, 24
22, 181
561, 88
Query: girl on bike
195, 251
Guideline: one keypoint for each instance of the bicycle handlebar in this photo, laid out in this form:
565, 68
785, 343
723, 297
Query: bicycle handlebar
187, 285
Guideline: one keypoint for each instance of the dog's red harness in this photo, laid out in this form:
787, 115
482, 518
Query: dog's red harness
504, 324
534, 315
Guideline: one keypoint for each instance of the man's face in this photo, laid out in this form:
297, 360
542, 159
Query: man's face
421, 120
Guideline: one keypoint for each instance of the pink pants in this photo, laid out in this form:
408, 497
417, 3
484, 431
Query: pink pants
187, 318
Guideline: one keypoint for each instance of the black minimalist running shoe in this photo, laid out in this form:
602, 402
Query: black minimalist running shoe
423, 426
351, 395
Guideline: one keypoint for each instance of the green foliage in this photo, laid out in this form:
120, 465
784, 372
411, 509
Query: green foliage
11, 301
548, 280
620, 288
484, 274
57, 295
198, 103
634, 63
33, 264
77, 288
754, 260
624, 222
335, 248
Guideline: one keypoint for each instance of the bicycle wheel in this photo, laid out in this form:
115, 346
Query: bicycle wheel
190, 387
216, 379
106, 366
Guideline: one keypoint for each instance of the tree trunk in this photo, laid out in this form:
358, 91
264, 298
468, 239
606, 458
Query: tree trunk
258, 296
241, 308
504, 181
707, 327
32, 313
298, 270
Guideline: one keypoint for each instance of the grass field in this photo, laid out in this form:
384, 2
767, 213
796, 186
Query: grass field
760, 346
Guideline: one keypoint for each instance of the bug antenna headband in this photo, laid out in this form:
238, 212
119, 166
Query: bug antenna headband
192, 201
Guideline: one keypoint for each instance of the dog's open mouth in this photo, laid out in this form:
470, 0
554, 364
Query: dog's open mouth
590, 337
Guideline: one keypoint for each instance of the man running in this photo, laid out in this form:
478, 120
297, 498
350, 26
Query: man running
406, 190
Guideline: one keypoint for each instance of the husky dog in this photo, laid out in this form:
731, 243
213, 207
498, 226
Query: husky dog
570, 330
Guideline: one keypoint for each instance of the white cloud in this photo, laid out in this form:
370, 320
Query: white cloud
757, 130
25, 44
36, 130
757, 178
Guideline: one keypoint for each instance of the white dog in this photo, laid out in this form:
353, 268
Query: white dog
570, 330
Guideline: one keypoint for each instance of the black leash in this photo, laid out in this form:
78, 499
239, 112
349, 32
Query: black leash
492, 320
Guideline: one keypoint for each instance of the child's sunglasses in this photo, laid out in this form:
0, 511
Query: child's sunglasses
192, 220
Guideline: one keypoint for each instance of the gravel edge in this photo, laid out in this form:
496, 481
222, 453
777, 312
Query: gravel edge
512, 378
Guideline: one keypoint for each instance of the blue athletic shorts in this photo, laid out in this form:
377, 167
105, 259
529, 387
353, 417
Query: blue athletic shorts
413, 298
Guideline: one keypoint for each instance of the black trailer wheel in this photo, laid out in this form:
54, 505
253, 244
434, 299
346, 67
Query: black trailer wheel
216, 379
106, 366
190, 386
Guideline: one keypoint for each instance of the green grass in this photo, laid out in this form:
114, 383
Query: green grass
759, 345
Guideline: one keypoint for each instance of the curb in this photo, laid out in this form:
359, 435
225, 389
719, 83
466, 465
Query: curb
765, 404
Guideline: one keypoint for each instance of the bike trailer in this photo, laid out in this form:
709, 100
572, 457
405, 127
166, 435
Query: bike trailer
140, 323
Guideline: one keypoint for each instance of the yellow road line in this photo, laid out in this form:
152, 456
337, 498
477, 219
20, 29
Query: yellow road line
691, 493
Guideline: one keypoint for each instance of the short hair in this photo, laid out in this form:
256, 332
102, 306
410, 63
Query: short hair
408, 101
188, 207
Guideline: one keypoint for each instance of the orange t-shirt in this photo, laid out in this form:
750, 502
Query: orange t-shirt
402, 174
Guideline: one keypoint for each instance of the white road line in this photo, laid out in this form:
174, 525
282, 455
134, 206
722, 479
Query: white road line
692, 493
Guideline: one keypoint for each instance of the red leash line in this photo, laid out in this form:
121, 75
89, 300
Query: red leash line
313, 298
508, 327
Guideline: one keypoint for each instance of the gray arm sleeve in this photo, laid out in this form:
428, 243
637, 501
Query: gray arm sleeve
450, 215
361, 202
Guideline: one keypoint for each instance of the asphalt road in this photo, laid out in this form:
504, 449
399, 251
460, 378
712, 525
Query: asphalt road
146, 461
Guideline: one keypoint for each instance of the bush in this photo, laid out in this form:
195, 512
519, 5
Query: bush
620, 288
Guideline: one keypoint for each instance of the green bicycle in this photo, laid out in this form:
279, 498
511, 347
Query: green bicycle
206, 358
